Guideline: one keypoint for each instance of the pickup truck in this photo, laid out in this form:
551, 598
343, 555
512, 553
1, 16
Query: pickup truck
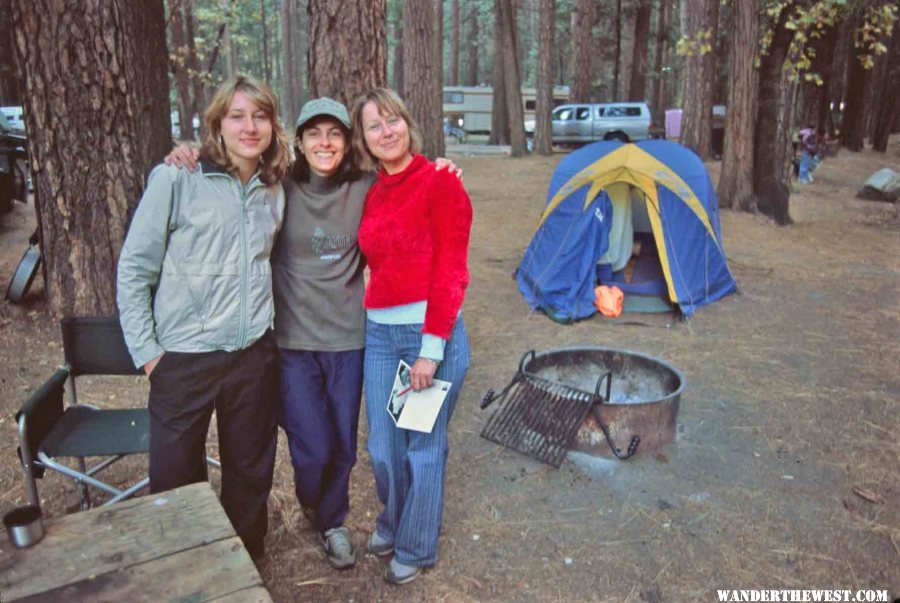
589, 122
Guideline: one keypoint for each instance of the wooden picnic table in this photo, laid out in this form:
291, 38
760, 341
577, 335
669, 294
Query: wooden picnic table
173, 546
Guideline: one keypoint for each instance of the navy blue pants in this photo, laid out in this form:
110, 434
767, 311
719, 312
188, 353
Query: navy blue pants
320, 400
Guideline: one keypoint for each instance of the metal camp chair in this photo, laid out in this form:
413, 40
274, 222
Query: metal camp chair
50, 430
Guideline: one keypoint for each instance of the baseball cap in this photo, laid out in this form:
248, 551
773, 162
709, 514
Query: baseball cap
324, 106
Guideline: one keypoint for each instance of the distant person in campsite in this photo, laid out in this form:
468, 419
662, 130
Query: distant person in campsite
196, 306
415, 235
809, 151
320, 322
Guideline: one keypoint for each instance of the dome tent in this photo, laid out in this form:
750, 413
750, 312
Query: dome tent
585, 232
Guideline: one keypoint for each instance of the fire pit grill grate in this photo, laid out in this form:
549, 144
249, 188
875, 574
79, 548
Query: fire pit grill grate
537, 417
540, 417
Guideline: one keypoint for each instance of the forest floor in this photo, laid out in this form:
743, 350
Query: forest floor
785, 472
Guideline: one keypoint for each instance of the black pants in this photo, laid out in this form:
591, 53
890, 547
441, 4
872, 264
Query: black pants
242, 388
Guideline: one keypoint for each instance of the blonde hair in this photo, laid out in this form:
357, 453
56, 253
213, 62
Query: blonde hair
388, 103
277, 158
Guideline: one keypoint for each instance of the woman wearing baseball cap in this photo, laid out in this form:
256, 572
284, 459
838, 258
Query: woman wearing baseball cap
317, 273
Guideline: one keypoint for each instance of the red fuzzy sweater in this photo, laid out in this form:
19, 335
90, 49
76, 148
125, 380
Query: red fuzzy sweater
415, 236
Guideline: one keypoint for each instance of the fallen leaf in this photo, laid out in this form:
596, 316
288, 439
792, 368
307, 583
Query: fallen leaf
659, 456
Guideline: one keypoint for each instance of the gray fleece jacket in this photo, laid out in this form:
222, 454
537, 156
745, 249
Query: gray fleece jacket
194, 272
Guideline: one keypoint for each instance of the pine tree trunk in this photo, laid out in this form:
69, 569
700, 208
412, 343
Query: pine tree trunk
472, 43
618, 50
9, 83
347, 47
699, 78
512, 79
543, 131
658, 86
769, 175
91, 142
886, 119
736, 180
290, 100
818, 97
454, 44
420, 65
178, 66
267, 61
499, 108
853, 121
198, 96
637, 89
582, 49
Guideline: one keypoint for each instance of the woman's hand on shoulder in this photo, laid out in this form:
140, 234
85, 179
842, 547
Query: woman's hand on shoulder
442, 163
183, 156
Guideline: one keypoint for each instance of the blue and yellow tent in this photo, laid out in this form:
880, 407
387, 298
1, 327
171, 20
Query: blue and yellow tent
596, 200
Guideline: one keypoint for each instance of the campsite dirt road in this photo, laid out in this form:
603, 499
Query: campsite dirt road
785, 473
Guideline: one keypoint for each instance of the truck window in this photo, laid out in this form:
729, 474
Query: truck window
633, 111
583, 113
562, 114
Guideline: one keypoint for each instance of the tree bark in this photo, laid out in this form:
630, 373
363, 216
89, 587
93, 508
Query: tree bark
699, 78
499, 108
420, 65
543, 131
512, 79
617, 55
658, 93
472, 43
178, 66
267, 61
886, 119
736, 181
853, 121
9, 84
94, 138
347, 47
818, 97
198, 96
637, 89
769, 178
582, 47
290, 78
454, 44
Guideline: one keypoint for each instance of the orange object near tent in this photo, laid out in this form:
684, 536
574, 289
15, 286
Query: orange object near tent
608, 300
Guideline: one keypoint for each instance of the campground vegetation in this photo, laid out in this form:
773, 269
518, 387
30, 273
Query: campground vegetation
116, 69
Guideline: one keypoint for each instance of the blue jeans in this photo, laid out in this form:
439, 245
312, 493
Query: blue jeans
320, 398
807, 165
409, 466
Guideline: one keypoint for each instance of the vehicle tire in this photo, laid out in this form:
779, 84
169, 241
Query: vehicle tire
20, 181
24, 275
620, 136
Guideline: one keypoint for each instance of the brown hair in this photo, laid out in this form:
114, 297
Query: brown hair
276, 160
388, 103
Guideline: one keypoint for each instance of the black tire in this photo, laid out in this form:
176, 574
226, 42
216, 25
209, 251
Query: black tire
24, 275
620, 136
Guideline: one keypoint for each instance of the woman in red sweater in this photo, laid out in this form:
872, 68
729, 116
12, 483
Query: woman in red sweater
415, 236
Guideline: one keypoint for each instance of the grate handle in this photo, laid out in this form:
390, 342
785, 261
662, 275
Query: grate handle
492, 396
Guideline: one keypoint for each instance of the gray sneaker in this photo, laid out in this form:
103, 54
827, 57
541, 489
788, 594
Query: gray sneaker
378, 546
338, 547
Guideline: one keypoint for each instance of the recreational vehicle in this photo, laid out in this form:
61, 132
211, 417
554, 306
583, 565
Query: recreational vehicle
470, 107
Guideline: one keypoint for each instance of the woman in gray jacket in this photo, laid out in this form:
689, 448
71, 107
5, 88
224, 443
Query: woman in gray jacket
196, 306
